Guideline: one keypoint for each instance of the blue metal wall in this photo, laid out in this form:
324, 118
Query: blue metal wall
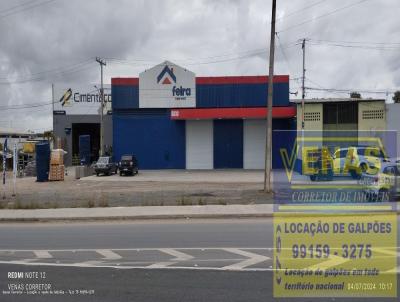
212, 96
125, 96
282, 140
228, 144
240, 95
157, 142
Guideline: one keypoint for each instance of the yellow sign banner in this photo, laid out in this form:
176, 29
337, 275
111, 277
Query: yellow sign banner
335, 255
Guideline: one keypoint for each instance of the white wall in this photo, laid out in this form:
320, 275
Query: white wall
199, 145
254, 138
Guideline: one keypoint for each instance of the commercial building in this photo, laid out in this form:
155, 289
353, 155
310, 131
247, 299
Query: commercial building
77, 112
171, 119
342, 114
14, 136
343, 122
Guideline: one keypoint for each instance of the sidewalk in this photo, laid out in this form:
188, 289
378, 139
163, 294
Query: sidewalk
137, 213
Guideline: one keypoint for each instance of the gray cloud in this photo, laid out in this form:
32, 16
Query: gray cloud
64, 37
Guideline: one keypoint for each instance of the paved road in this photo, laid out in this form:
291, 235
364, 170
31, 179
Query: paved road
186, 260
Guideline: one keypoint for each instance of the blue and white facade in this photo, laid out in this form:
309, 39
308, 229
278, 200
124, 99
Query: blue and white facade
171, 119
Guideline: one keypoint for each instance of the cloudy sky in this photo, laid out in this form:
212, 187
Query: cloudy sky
351, 45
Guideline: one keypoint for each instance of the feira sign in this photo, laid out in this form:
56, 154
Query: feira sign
335, 222
81, 100
167, 85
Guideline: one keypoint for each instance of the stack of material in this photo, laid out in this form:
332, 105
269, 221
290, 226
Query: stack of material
56, 165
30, 169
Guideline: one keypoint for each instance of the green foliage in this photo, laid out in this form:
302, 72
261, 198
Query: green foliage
396, 97
355, 95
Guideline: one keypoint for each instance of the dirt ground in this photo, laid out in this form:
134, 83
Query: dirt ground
149, 188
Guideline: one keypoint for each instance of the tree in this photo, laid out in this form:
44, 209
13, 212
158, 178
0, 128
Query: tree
355, 95
396, 97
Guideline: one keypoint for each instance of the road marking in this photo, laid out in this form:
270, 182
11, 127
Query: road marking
144, 249
109, 254
253, 259
386, 251
42, 254
333, 261
179, 256
85, 264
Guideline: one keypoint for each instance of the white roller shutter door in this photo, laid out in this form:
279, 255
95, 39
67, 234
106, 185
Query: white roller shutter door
254, 132
199, 145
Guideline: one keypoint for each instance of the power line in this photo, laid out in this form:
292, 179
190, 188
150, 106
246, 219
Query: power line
355, 42
57, 69
346, 90
207, 60
40, 76
377, 46
299, 11
323, 15
25, 7
283, 52
16, 6
25, 106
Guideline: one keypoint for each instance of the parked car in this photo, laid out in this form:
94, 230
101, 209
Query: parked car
128, 165
384, 185
105, 166
359, 160
351, 160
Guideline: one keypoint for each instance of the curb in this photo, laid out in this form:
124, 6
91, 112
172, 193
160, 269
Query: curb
148, 217
135, 218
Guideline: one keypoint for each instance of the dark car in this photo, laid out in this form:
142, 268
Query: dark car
105, 166
128, 165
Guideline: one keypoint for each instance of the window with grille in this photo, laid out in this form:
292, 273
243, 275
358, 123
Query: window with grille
341, 113
373, 114
312, 116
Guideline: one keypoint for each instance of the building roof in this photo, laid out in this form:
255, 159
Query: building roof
335, 100
213, 80
11, 131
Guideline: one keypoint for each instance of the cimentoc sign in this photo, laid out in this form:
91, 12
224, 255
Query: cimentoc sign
81, 100
167, 85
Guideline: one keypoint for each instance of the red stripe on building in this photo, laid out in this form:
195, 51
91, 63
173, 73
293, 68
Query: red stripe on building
231, 113
125, 81
214, 80
240, 80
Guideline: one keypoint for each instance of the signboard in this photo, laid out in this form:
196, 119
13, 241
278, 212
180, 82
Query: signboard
335, 255
81, 100
335, 219
167, 85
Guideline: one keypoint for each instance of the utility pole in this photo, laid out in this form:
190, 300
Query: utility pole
102, 63
268, 147
303, 95
52, 105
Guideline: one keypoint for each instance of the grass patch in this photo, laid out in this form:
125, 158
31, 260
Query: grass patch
202, 202
222, 202
184, 201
